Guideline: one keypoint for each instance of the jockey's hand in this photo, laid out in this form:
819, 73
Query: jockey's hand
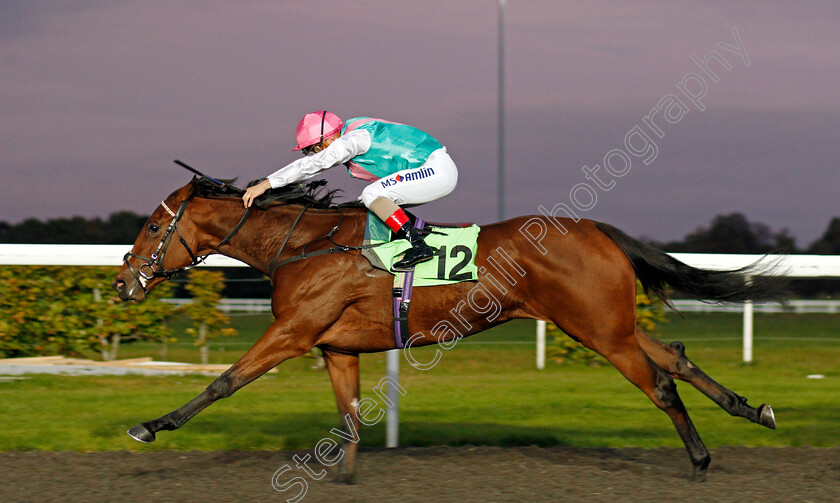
254, 192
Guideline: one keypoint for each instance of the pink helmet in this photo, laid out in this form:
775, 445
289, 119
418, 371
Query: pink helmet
316, 126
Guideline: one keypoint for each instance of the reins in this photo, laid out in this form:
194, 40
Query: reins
336, 248
234, 231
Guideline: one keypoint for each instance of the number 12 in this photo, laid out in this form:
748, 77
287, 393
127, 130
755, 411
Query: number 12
455, 274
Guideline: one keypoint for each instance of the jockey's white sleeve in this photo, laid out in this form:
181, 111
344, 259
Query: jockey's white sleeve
344, 148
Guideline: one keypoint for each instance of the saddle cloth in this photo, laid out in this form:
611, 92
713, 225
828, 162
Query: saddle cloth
454, 261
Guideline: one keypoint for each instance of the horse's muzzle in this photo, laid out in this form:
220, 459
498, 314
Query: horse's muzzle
121, 288
128, 290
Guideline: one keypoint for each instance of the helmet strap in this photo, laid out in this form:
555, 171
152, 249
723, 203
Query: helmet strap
323, 119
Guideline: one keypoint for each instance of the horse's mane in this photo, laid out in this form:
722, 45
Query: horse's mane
311, 193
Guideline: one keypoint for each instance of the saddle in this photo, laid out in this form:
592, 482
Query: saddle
454, 245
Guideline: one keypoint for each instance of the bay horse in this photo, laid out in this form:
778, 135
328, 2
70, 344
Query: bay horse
580, 275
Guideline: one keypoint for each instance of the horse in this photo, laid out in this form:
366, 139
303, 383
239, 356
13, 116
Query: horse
579, 274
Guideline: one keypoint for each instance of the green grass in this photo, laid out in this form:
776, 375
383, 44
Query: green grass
484, 391
251, 326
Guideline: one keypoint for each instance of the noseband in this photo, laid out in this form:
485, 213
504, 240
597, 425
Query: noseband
152, 266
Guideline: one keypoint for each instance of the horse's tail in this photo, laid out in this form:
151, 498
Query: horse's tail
657, 271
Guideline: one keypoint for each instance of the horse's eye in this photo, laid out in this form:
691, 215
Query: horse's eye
153, 228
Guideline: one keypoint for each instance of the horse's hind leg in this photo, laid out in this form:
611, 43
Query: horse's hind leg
344, 374
629, 358
673, 360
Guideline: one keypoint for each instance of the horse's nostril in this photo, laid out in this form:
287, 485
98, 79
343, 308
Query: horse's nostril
118, 285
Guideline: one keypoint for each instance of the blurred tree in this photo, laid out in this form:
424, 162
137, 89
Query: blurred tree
120, 228
49, 310
785, 243
116, 322
733, 233
829, 243
208, 321
30, 230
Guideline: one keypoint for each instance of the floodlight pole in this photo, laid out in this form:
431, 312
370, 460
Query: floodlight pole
501, 127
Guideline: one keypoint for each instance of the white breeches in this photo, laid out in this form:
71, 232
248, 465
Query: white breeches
435, 179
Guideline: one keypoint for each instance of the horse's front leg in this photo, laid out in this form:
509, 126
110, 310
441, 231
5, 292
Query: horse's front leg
344, 374
278, 343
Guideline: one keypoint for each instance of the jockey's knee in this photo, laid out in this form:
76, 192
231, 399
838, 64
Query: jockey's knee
370, 194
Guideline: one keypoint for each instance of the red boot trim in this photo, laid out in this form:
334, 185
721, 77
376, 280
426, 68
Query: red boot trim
397, 220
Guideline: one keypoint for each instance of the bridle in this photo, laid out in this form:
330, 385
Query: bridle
152, 266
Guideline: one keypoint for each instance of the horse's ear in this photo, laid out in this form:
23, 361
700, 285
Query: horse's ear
192, 187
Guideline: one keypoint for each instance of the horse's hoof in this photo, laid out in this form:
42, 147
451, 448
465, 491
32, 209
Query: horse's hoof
346, 478
766, 417
141, 434
701, 465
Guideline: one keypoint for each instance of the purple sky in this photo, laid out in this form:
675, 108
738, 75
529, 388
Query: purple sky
98, 97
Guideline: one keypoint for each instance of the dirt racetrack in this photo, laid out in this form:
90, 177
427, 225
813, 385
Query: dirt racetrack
433, 474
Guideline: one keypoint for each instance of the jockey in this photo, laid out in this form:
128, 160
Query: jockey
405, 164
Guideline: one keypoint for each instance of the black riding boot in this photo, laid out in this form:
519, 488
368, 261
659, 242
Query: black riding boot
419, 252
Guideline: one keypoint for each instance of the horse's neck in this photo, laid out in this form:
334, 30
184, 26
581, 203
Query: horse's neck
265, 231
